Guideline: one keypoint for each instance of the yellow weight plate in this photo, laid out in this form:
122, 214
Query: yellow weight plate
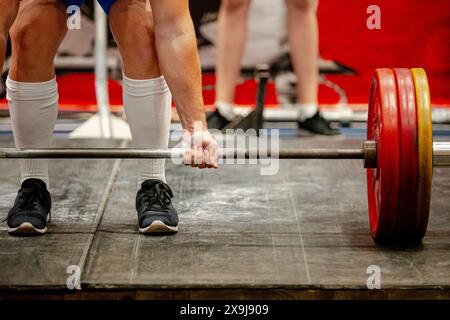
425, 148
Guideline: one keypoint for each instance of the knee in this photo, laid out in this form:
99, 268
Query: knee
25, 42
140, 42
138, 47
236, 6
302, 6
31, 42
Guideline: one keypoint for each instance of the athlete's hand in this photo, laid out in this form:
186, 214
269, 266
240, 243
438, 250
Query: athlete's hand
202, 149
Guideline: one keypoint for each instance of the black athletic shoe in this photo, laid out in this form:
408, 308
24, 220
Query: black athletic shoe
31, 209
318, 125
154, 206
217, 121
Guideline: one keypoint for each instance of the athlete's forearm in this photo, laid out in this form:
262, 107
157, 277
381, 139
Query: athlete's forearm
179, 60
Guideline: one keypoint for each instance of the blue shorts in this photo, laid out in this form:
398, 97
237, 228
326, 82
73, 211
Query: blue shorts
106, 4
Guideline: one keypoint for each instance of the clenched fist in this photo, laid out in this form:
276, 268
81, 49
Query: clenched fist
202, 150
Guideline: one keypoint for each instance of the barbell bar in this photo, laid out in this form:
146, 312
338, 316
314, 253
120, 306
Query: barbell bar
105, 153
441, 153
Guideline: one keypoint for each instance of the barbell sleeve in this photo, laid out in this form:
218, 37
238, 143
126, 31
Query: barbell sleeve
441, 154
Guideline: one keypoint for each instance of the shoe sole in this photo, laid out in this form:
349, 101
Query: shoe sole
158, 226
27, 228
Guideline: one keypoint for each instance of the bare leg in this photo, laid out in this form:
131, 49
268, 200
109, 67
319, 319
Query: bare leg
231, 39
146, 97
303, 41
132, 27
8, 10
147, 103
36, 35
32, 95
32, 90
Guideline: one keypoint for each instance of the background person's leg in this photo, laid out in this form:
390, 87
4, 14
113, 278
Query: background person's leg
8, 12
32, 91
146, 97
304, 46
232, 35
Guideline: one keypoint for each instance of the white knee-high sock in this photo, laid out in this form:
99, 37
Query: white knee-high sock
33, 107
147, 105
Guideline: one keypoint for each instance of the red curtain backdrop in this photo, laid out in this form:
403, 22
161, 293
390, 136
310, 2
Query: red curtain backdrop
414, 33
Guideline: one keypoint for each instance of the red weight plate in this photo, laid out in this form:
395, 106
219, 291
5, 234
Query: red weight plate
409, 156
382, 182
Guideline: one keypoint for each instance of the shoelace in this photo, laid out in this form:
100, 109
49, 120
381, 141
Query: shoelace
28, 196
159, 194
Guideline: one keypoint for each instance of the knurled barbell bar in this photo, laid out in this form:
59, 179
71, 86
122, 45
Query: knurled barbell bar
441, 153
399, 155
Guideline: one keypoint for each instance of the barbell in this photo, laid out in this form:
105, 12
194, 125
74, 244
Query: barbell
441, 153
399, 154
